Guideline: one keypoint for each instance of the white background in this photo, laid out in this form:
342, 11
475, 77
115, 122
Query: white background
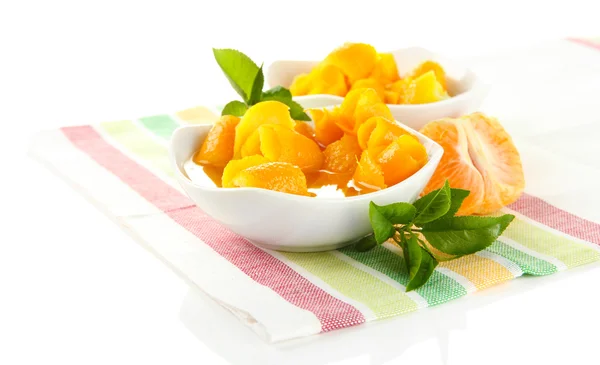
76, 290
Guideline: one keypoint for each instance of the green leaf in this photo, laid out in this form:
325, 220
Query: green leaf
366, 243
281, 94
397, 213
235, 107
423, 273
383, 228
278, 93
239, 70
297, 111
465, 235
457, 196
412, 255
433, 205
257, 87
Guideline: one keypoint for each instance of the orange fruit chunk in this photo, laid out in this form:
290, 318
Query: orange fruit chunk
251, 146
356, 60
217, 148
370, 84
305, 129
341, 156
326, 130
235, 166
301, 85
328, 79
214, 173
364, 132
280, 144
402, 158
266, 112
384, 133
479, 156
385, 68
370, 105
437, 69
391, 97
405, 89
278, 176
368, 174
428, 89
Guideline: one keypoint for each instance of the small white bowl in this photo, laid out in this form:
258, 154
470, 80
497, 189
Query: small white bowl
468, 90
286, 222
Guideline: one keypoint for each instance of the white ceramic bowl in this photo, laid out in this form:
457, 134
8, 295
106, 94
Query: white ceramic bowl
287, 222
468, 90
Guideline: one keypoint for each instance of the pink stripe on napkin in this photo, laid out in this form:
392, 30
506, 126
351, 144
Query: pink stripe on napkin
545, 213
254, 262
586, 42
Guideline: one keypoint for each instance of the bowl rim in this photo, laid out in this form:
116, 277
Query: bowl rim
435, 152
478, 87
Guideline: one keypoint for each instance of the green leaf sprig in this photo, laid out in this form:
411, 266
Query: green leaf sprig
430, 222
248, 80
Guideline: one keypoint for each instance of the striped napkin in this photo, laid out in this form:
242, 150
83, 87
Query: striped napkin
123, 167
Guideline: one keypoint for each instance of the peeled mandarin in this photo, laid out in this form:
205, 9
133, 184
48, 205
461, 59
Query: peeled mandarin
370, 105
277, 176
326, 130
427, 66
480, 156
370, 84
328, 79
385, 68
251, 146
217, 148
401, 159
301, 85
428, 89
280, 144
356, 60
266, 112
384, 133
235, 166
341, 156
368, 174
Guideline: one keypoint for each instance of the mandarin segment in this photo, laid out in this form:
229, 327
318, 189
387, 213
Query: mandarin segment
301, 85
341, 156
405, 89
369, 105
437, 69
370, 84
384, 133
251, 146
326, 129
401, 159
385, 68
428, 89
479, 156
356, 60
280, 144
266, 112
217, 148
368, 174
305, 129
277, 176
328, 79
235, 166
364, 132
